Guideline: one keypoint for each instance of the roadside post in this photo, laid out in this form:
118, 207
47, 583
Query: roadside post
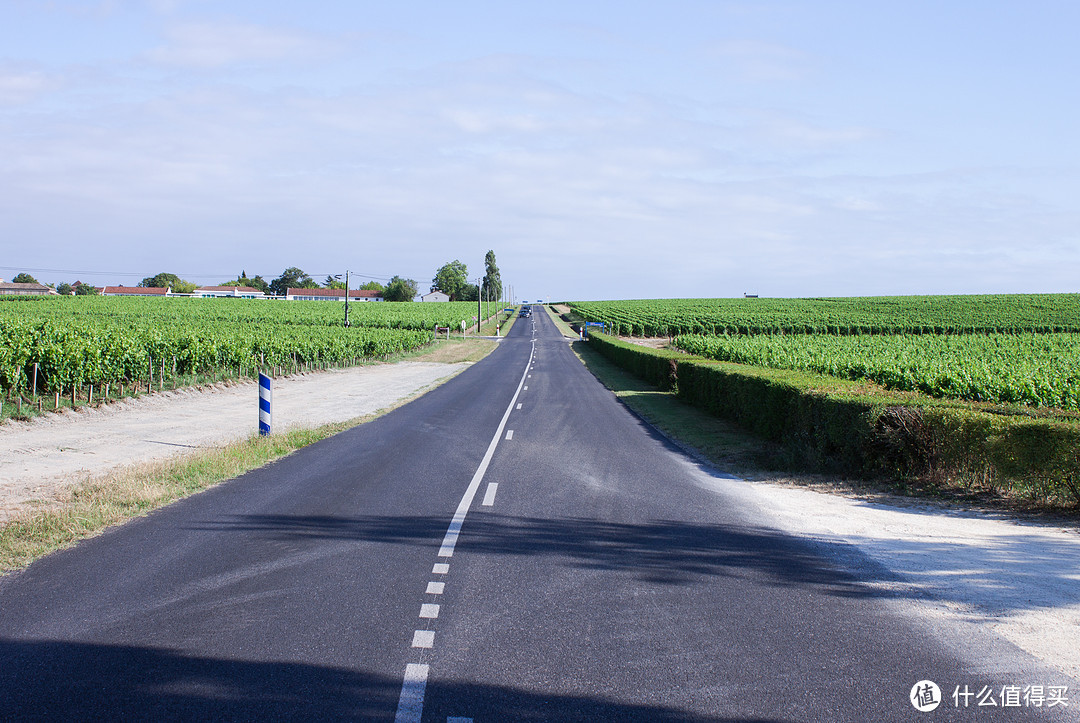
266, 395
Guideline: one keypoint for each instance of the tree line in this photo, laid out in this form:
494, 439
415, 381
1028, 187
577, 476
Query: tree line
452, 278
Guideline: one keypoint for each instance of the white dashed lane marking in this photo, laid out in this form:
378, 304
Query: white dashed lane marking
509, 434
411, 702
423, 639
489, 496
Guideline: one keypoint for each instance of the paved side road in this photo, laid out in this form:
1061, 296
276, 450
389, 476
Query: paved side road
514, 545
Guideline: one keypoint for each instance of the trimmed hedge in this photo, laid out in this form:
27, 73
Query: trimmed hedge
850, 428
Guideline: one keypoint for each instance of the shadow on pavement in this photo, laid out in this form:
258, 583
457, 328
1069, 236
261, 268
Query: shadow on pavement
656, 551
78, 681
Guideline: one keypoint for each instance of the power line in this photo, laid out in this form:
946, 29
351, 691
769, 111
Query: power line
226, 274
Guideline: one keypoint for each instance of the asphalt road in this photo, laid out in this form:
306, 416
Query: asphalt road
513, 546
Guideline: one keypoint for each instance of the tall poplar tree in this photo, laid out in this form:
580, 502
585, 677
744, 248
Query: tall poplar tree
492, 284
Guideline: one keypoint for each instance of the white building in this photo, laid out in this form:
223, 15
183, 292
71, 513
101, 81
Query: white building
227, 292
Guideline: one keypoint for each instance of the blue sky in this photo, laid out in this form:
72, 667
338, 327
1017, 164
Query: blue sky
601, 149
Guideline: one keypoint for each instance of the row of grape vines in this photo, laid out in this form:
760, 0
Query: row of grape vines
1029, 369
55, 345
1003, 313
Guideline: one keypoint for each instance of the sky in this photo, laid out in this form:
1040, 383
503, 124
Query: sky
602, 150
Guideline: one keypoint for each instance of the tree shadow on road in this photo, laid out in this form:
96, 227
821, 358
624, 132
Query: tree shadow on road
655, 551
55, 680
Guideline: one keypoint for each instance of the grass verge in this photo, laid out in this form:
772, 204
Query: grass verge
733, 450
702, 435
88, 509
561, 323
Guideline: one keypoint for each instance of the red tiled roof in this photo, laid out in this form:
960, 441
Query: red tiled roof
135, 290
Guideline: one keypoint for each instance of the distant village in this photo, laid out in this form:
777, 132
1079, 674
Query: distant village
450, 284
8, 288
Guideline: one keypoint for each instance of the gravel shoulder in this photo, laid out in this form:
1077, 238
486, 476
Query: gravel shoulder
41, 458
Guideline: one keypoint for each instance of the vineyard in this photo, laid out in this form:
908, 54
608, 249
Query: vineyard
1041, 370
1012, 313
1012, 349
76, 344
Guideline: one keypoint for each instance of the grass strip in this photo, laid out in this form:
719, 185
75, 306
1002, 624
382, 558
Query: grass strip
128, 492
133, 491
560, 323
703, 435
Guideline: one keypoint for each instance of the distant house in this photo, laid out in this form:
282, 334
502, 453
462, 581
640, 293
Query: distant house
435, 296
9, 288
135, 291
78, 285
227, 292
332, 295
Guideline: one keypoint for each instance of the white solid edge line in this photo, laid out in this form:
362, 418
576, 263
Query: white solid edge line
452, 532
411, 703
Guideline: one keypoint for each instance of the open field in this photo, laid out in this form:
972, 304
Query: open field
1040, 370
1002, 313
1007, 349
68, 350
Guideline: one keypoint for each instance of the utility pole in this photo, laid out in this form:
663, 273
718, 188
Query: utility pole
479, 306
338, 276
346, 298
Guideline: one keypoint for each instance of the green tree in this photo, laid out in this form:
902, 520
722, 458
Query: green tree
86, 290
451, 279
400, 289
64, 289
332, 283
469, 293
492, 284
376, 286
258, 283
168, 281
292, 278
24, 279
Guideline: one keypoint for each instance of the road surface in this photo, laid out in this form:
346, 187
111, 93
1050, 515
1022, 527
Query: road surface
512, 546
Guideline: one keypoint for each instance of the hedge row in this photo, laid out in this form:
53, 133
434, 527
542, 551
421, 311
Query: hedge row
842, 426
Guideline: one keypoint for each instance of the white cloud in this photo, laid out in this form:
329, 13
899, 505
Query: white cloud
20, 85
214, 45
757, 61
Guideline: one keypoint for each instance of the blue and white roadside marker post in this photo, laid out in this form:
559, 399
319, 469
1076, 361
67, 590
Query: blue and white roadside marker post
266, 395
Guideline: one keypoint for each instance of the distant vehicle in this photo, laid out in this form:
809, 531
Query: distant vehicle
525, 312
